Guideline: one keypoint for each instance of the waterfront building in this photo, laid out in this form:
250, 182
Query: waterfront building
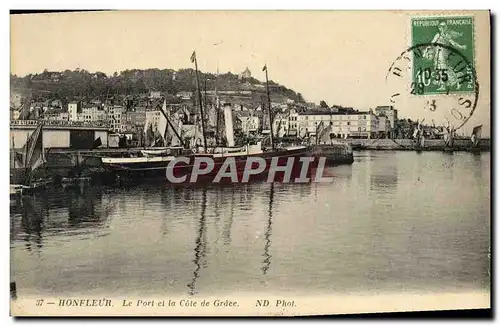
73, 109
342, 125
384, 127
134, 119
134, 122
389, 112
92, 113
392, 116
115, 114
250, 123
58, 134
293, 123
153, 116
281, 122
56, 115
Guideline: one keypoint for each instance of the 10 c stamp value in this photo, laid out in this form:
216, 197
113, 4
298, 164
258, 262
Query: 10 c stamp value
438, 69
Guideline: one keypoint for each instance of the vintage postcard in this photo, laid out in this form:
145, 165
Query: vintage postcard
249, 163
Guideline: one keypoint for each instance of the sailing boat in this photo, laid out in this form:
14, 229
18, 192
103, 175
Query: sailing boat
475, 139
162, 130
449, 138
241, 154
32, 159
154, 159
159, 164
418, 135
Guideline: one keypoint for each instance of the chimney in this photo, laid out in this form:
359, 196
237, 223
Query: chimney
228, 120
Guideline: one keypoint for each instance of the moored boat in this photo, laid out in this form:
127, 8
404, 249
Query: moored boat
30, 162
159, 163
475, 139
162, 151
16, 190
142, 163
159, 166
69, 182
449, 138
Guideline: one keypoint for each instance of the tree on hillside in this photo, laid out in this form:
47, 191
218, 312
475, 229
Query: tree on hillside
75, 84
323, 104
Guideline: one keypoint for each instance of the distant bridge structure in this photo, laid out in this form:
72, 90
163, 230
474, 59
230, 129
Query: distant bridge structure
60, 134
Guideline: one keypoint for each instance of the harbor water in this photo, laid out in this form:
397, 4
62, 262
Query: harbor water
391, 222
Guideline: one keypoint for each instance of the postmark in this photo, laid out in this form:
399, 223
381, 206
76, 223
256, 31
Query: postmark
448, 95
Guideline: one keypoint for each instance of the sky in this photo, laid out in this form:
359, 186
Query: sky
341, 57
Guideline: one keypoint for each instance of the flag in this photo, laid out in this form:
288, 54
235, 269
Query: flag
97, 143
264, 68
193, 56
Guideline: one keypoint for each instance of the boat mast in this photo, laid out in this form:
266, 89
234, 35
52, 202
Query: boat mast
217, 107
171, 126
193, 59
267, 234
269, 108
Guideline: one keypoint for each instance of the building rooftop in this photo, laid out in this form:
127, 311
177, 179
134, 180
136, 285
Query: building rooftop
328, 112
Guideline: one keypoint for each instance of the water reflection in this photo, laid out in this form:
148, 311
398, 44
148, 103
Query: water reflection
226, 234
34, 212
482, 161
358, 233
58, 212
267, 235
201, 243
383, 172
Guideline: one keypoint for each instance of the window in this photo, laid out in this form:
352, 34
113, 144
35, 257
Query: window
348, 123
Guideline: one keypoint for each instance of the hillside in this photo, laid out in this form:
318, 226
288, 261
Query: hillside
81, 84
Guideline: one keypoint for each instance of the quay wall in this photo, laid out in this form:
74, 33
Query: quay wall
62, 162
409, 144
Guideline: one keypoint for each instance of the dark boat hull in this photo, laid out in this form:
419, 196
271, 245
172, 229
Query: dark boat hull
158, 170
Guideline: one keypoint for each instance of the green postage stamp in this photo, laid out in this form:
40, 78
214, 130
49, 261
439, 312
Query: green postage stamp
446, 61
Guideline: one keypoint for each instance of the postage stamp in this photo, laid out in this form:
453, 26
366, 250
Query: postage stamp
451, 108
438, 70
